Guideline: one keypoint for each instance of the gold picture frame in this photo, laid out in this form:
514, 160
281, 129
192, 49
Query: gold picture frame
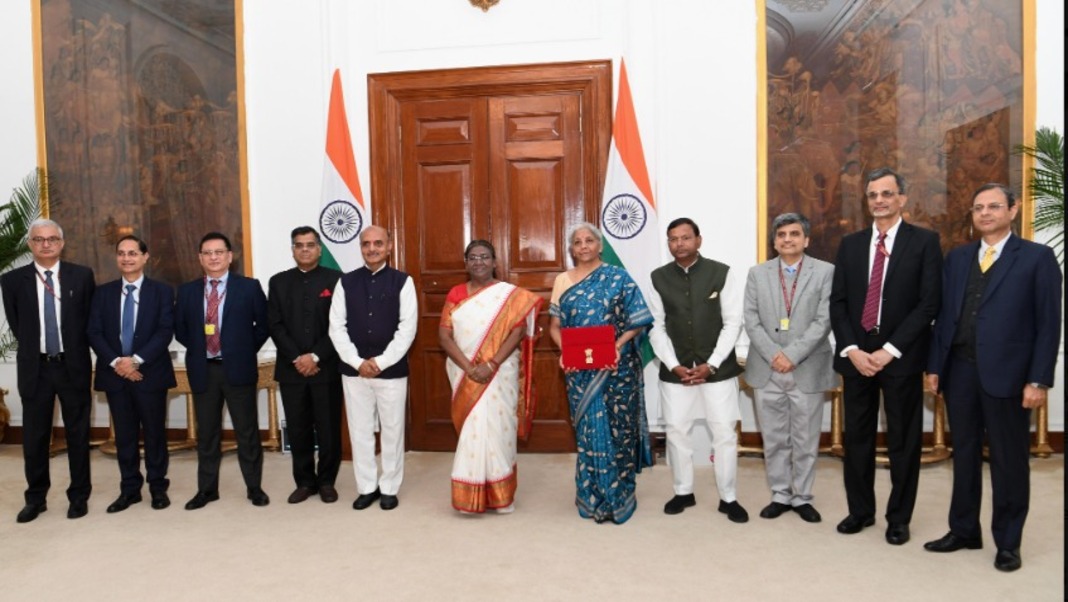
940, 90
141, 128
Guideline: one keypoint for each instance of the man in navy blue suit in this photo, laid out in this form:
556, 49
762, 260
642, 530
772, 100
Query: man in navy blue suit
222, 321
131, 323
992, 354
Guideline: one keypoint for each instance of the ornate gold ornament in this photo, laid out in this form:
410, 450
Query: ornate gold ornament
484, 4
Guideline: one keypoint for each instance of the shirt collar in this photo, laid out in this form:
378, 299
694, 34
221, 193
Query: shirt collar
890, 234
137, 283
999, 246
41, 269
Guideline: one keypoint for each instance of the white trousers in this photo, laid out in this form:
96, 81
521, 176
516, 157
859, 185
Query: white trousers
364, 399
790, 423
682, 405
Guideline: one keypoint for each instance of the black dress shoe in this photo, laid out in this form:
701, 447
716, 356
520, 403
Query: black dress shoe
1008, 560
258, 497
160, 500
679, 503
300, 494
366, 499
328, 494
774, 510
78, 509
897, 534
31, 511
201, 499
952, 543
854, 524
123, 502
808, 513
388, 502
734, 511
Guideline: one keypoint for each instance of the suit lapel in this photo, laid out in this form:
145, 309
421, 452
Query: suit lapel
144, 301
960, 278
904, 235
774, 287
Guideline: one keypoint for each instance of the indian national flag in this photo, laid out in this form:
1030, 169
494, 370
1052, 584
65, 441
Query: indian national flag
628, 218
342, 215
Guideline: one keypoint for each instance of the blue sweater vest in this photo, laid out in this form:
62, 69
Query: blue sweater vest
373, 305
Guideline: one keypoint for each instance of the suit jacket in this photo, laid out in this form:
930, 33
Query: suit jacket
912, 291
244, 330
1018, 326
19, 287
298, 315
152, 335
805, 343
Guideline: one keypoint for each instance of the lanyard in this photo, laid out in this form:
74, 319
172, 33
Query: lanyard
48, 289
789, 301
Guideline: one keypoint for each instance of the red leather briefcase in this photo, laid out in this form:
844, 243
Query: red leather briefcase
588, 347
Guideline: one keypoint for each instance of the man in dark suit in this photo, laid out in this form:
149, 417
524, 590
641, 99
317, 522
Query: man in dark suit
298, 311
222, 321
993, 353
131, 325
47, 305
886, 291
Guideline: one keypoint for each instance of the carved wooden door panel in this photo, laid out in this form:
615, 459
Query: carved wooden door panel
509, 164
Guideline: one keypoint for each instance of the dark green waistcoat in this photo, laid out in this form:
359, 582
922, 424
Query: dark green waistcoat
693, 314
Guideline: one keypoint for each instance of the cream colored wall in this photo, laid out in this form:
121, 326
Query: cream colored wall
698, 132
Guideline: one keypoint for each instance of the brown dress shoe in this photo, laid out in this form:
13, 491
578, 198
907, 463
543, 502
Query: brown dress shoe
300, 494
328, 494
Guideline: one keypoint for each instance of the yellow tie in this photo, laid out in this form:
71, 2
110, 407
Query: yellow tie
987, 260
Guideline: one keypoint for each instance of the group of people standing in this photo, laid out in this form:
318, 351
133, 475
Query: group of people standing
344, 338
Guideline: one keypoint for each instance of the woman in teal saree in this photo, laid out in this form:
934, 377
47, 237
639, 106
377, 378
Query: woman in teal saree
607, 406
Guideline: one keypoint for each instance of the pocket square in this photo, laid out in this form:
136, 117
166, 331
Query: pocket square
714, 295
326, 293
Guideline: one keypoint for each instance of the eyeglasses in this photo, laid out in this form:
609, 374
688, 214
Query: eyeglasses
994, 207
214, 253
678, 239
305, 245
130, 254
40, 240
886, 194
479, 258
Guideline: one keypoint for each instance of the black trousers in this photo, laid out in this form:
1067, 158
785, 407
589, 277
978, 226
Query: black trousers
313, 412
38, 414
1007, 425
241, 403
903, 403
134, 409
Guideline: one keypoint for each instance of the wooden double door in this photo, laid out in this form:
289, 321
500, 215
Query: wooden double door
512, 155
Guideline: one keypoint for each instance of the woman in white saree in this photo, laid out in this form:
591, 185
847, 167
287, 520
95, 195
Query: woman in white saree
487, 330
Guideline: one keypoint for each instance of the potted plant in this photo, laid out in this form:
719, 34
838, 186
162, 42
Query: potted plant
1047, 186
15, 218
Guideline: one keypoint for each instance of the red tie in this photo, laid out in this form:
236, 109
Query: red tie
212, 317
870, 318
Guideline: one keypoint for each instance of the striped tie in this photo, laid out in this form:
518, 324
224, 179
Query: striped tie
870, 318
987, 260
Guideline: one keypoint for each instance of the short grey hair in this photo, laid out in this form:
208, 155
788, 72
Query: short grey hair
44, 222
786, 219
584, 226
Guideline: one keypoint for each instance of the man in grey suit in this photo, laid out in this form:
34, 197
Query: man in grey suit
787, 317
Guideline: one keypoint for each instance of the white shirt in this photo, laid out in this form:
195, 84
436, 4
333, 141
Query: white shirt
41, 292
999, 246
402, 339
731, 305
137, 307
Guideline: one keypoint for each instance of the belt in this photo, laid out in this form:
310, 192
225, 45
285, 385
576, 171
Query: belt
873, 332
215, 360
57, 358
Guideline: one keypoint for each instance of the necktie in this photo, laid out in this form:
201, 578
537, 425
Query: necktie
870, 318
128, 321
51, 323
213, 343
987, 260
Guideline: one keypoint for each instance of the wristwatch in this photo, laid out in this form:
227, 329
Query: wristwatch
711, 369
1039, 386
